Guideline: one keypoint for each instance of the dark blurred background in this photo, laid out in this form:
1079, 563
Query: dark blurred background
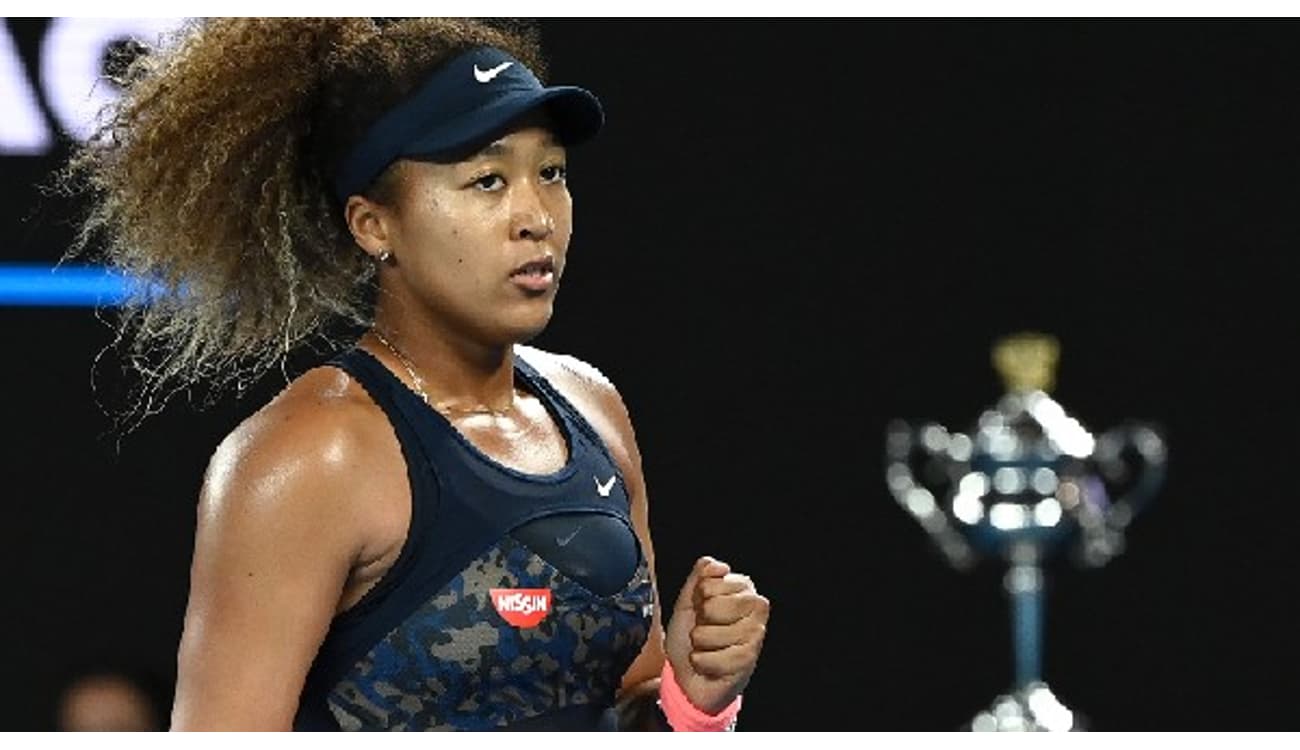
790, 233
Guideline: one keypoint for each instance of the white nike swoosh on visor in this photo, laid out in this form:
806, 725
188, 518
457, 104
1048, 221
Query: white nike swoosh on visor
483, 76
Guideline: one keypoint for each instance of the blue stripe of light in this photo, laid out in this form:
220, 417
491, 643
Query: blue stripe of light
35, 285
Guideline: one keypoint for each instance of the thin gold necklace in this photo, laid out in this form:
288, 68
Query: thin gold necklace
419, 384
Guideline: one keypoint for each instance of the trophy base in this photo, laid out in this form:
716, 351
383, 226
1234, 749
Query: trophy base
1031, 709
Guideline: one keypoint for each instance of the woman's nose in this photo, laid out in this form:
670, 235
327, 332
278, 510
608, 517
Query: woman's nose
531, 219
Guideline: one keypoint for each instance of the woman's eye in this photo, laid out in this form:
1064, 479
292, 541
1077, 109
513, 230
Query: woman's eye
489, 182
555, 173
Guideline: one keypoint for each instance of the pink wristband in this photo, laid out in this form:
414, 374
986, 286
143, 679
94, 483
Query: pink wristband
683, 716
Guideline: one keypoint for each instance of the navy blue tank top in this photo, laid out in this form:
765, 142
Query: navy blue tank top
517, 601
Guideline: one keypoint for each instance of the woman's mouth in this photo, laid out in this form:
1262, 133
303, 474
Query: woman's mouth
536, 275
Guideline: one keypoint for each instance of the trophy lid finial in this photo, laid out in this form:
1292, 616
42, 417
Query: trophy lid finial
1027, 361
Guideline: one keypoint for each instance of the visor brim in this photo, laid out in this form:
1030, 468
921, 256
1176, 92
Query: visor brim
574, 115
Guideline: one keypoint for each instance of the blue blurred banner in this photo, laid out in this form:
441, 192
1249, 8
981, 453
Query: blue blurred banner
37, 285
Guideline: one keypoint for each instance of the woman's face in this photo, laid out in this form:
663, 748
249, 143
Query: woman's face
481, 243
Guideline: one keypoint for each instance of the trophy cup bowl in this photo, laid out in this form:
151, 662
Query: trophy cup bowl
1029, 481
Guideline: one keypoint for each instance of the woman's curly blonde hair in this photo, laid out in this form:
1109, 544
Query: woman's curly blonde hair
210, 179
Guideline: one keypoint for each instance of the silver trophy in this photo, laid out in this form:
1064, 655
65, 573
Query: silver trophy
1028, 482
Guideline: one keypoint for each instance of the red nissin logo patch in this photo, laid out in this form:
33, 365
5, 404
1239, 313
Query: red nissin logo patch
523, 608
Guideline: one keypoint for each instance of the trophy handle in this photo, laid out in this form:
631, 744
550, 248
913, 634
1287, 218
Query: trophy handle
919, 474
1131, 461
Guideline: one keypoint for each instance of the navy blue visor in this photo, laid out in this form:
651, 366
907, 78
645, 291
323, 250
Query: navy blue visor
463, 103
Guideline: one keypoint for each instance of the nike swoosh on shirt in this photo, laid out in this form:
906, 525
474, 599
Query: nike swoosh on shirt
564, 542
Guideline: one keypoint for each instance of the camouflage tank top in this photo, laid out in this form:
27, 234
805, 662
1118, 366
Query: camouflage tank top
518, 601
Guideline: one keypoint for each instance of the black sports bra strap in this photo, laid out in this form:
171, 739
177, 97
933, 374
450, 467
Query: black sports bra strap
576, 422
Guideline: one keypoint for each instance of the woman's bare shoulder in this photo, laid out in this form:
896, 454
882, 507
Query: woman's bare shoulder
591, 392
568, 372
301, 454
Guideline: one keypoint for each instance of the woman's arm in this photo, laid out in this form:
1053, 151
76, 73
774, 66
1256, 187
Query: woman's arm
273, 550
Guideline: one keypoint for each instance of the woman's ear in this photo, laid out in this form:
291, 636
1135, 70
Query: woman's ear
369, 223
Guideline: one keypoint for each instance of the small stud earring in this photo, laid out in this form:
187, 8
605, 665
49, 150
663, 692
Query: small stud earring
383, 256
